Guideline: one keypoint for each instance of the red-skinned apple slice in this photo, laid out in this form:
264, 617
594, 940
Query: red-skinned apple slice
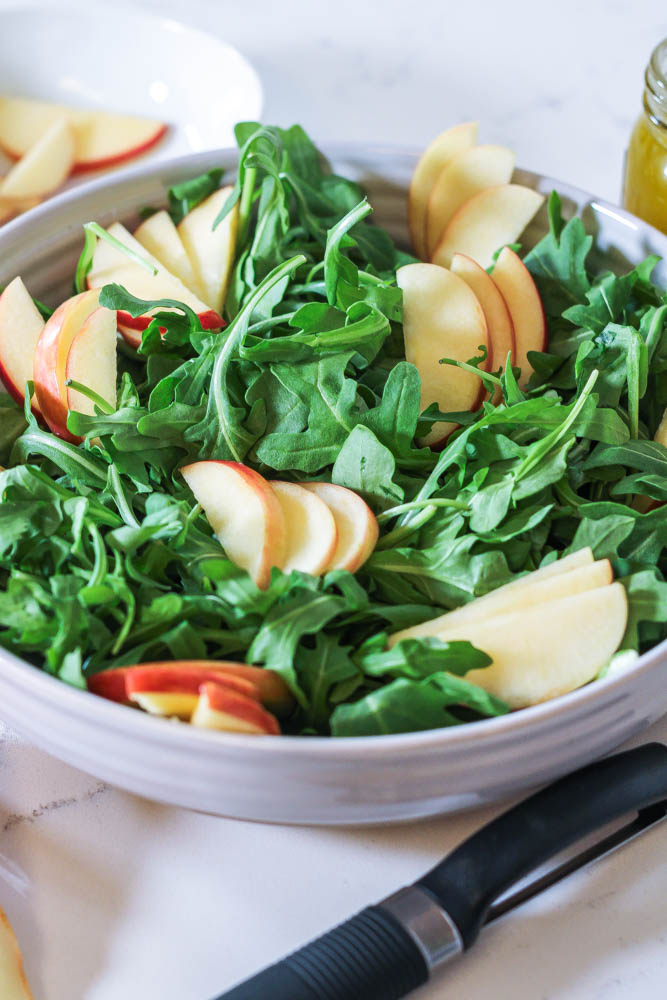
44, 167
311, 529
91, 361
21, 326
160, 237
244, 513
170, 678
51, 353
210, 250
222, 709
273, 691
167, 704
111, 265
469, 172
489, 220
496, 313
436, 155
442, 319
516, 285
101, 138
356, 525
13, 982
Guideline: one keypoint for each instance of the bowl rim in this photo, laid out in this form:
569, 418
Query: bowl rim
184, 737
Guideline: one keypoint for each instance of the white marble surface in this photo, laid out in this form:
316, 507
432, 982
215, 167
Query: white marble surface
112, 896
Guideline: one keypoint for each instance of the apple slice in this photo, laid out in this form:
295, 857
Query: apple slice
171, 678
21, 326
159, 236
356, 525
211, 250
496, 313
44, 167
661, 434
487, 222
513, 598
273, 691
548, 649
469, 172
9, 207
220, 708
50, 360
13, 982
244, 512
91, 361
433, 159
112, 266
311, 529
167, 704
516, 285
101, 138
442, 319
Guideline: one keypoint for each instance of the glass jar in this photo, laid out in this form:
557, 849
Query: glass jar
645, 186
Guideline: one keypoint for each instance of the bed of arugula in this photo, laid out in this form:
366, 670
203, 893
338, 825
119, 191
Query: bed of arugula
105, 559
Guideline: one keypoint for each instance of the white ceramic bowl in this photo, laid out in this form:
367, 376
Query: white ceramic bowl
127, 60
314, 780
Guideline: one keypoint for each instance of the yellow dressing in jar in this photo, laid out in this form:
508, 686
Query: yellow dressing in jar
645, 186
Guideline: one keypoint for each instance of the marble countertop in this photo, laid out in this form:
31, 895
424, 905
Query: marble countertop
112, 896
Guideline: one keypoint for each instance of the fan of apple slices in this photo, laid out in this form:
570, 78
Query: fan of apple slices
462, 208
50, 141
230, 697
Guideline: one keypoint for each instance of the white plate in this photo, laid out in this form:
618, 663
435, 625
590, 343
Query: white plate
122, 59
315, 780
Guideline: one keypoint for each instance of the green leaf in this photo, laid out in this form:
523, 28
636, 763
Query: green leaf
406, 706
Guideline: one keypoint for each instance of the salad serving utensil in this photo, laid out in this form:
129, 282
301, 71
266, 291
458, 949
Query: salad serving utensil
391, 948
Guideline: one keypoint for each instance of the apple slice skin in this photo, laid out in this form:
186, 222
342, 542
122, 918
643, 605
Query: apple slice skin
169, 679
18, 312
312, 535
224, 710
486, 222
356, 525
436, 155
466, 174
516, 285
261, 519
89, 162
442, 318
274, 693
131, 328
51, 354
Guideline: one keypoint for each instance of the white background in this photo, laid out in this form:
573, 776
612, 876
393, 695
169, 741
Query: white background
116, 897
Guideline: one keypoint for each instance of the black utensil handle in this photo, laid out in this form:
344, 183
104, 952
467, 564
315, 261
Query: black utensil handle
369, 957
468, 881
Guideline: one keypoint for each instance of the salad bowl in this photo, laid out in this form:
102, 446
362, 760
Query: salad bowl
317, 780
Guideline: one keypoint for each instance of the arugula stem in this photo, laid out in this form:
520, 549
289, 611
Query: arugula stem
124, 508
417, 504
392, 538
97, 230
90, 394
245, 206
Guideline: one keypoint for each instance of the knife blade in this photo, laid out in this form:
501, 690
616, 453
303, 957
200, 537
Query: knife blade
392, 947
